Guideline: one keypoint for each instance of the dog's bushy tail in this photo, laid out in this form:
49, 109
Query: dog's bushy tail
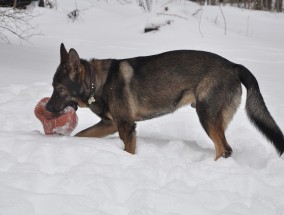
258, 112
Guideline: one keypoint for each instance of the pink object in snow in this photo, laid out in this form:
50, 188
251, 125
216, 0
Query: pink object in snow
63, 123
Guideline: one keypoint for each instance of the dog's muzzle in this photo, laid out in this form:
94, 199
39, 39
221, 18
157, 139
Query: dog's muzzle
51, 107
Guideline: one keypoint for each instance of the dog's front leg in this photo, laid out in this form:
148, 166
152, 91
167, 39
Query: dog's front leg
101, 129
127, 134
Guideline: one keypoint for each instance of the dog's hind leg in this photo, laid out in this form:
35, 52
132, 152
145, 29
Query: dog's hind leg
217, 99
216, 133
127, 134
213, 123
101, 129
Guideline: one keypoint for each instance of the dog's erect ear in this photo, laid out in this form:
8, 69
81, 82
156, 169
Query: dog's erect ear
74, 61
74, 58
63, 54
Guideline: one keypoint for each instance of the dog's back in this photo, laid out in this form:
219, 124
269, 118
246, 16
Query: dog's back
159, 84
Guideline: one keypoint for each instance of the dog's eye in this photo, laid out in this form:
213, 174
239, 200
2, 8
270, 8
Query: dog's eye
60, 89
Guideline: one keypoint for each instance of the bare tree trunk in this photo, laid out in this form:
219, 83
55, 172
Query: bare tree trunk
238, 3
15, 4
257, 5
213, 2
269, 5
264, 4
41, 3
278, 5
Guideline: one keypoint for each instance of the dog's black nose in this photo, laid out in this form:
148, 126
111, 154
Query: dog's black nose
50, 107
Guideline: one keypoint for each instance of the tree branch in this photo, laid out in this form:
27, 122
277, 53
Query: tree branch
17, 23
225, 23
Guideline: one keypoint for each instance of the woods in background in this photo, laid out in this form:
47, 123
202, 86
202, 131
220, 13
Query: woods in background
268, 5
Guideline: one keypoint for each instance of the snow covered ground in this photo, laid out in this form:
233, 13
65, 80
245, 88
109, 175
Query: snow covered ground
174, 171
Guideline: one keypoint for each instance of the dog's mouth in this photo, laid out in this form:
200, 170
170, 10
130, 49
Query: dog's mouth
73, 105
56, 110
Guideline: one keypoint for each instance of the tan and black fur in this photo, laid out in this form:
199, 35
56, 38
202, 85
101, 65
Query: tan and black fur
130, 90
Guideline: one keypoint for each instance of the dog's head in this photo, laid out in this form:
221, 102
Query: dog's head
67, 81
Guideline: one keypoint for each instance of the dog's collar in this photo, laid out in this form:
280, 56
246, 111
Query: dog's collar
92, 85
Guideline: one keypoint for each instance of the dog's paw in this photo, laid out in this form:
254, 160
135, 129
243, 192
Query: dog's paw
226, 154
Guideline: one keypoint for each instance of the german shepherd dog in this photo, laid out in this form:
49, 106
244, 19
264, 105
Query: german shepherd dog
122, 92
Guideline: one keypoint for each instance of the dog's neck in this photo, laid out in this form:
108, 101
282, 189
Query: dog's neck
101, 70
88, 78
92, 77
95, 76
